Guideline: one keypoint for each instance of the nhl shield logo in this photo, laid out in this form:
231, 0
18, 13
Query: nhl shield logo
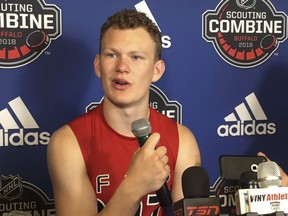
10, 187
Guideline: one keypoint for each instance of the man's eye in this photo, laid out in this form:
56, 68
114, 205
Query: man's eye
111, 55
136, 57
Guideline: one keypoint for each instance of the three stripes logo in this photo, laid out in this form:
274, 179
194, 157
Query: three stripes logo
144, 8
18, 127
248, 119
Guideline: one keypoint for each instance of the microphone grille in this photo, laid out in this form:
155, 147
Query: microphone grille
141, 127
248, 180
195, 183
268, 174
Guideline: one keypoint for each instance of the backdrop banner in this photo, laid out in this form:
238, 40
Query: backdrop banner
226, 79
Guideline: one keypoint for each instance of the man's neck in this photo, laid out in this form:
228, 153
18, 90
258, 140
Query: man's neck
121, 118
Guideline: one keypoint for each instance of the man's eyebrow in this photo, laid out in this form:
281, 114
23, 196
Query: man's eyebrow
137, 52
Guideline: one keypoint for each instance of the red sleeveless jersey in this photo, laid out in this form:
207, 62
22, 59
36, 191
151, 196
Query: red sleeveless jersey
107, 154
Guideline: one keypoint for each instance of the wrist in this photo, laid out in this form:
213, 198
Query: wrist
131, 191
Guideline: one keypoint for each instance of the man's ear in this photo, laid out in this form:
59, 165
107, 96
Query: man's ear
159, 70
97, 65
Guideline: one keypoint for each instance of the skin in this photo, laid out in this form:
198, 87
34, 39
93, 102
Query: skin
126, 66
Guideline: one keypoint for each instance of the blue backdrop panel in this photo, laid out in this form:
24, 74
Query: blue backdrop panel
235, 105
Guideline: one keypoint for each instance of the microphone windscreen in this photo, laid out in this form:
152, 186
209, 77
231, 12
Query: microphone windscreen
141, 127
195, 183
268, 174
248, 180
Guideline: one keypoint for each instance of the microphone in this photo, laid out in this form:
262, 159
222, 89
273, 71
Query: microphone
248, 180
269, 198
195, 183
268, 175
141, 128
196, 190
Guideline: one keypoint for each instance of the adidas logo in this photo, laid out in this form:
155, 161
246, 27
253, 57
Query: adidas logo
19, 126
248, 119
143, 7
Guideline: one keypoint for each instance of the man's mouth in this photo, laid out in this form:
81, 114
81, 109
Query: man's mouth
120, 82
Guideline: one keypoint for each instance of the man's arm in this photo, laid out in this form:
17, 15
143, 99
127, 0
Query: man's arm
188, 155
73, 192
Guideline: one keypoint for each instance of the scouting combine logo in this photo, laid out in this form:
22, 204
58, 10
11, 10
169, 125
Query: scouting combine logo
245, 33
26, 30
158, 101
21, 198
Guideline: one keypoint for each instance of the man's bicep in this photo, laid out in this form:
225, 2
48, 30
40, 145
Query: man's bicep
73, 192
188, 155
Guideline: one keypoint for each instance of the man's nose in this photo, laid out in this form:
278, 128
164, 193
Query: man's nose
122, 65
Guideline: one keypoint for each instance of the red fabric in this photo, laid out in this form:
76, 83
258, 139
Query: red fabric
107, 154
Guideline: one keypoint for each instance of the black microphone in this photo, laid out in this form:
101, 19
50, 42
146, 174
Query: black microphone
196, 190
141, 128
248, 180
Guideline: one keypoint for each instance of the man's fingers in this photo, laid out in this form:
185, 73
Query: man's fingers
158, 152
161, 152
263, 155
152, 141
165, 159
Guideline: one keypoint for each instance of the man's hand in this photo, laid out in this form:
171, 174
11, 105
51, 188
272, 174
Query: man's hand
149, 167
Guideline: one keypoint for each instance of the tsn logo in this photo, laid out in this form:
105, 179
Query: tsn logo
198, 210
203, 210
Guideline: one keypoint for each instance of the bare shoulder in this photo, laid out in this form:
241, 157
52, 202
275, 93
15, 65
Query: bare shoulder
188, 146
62, 135
69, 178
185, 132
63, 149
188, 153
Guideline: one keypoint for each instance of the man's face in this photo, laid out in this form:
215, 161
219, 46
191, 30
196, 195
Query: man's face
127, 66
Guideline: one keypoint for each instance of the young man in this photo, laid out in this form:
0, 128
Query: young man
96, 158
